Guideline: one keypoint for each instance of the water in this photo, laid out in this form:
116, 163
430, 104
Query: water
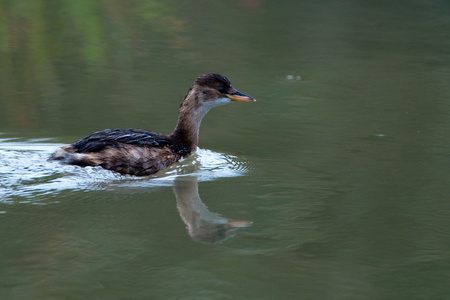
332, 185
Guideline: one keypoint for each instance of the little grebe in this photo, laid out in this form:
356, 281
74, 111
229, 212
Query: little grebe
140, 152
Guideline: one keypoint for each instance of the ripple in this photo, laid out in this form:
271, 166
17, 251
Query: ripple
25, 172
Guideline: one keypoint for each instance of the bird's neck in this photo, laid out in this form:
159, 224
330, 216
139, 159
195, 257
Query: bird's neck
187, 130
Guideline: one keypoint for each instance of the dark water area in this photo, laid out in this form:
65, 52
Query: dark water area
333, 185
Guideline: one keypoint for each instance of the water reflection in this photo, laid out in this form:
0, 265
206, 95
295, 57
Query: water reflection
27, 177
203, 225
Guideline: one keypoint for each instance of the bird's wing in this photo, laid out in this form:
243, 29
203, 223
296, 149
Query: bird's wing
114, 137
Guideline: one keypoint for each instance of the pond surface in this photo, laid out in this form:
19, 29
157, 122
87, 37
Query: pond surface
333, 185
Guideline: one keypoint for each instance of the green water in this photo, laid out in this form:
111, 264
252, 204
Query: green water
341, 166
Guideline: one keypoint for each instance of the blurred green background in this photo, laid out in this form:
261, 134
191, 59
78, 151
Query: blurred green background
345, 150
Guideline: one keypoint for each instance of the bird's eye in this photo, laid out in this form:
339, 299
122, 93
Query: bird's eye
222, 90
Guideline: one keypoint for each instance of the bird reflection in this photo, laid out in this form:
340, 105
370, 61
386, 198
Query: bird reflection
203, 226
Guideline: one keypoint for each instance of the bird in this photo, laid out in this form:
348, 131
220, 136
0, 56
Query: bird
142, 152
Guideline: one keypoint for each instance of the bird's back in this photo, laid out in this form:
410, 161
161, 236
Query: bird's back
126, 151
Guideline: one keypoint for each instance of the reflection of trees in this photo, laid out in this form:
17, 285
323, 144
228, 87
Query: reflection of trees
203, 226
38, 38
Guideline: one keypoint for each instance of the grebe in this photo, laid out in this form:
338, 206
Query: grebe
141, 152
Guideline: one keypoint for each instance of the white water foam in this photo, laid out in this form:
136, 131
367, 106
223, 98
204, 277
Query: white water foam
25, 172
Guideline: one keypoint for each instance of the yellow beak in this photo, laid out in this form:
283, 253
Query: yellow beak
238, 96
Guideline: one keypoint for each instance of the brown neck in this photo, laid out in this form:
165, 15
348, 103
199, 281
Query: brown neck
186, 132
189, 119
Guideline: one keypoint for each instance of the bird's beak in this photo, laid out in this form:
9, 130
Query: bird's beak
238, 96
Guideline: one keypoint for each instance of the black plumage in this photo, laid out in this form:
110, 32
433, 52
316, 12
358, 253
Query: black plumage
100, 140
